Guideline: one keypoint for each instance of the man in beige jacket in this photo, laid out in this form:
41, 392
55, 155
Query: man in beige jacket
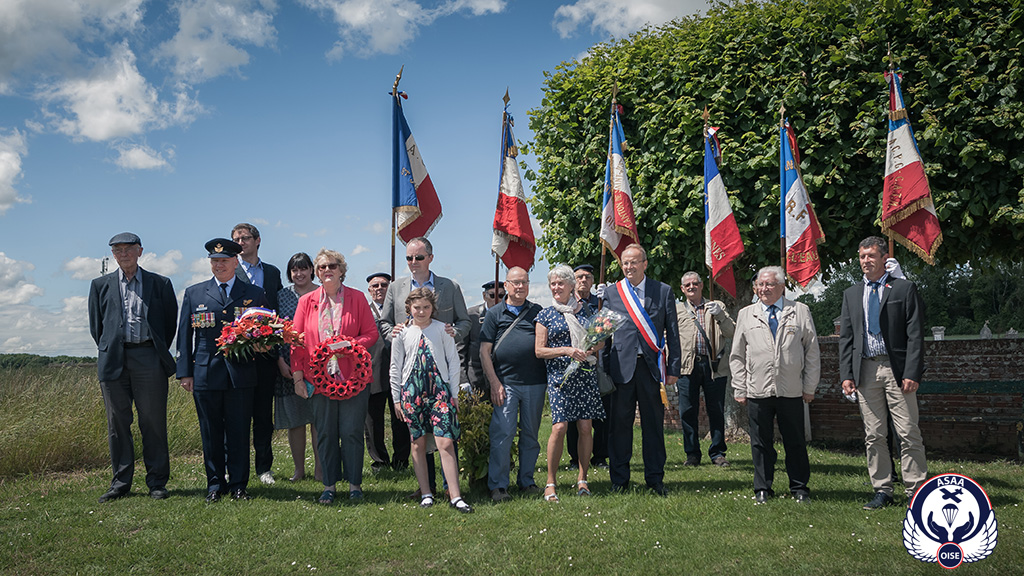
703, 327
775, 369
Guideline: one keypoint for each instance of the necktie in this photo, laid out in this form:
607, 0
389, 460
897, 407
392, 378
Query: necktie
874, 305
773, 322
224, 291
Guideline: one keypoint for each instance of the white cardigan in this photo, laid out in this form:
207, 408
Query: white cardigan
403, 356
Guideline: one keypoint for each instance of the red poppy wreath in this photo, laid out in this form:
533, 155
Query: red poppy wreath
333, 385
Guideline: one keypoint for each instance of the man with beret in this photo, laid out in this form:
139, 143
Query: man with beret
380, 392
222, 388
252, 270
472, 371
584, 274
132, 315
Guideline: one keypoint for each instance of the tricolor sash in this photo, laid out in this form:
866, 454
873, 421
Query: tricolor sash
642, 320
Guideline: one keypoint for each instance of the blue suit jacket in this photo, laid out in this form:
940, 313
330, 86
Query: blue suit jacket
198, 356
107, 328
621, 357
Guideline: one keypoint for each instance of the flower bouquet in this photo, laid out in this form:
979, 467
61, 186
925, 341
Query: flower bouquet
600, 327
255, 331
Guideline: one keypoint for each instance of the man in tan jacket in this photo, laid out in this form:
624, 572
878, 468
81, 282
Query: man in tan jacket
703, 327
775, 368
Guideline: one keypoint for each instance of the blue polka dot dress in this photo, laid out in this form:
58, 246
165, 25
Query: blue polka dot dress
578, 398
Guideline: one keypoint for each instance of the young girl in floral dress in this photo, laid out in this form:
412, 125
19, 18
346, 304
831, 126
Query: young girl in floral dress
425, 388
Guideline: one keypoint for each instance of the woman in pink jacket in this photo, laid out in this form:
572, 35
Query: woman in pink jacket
329, 311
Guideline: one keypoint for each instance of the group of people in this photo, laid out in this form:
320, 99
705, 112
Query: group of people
424, 343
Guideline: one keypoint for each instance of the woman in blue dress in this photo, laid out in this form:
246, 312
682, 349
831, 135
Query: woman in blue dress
560, 330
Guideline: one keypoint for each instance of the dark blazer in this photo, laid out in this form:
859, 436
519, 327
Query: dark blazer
107, 329
271, 281
620, 357
380, 355
469, 349
451, 306
902, 319
197, 347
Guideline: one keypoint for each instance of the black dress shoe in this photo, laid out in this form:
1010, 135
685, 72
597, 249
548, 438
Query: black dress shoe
761, 496
113, 494
240, 494
720, 461
802, 498
212, 496
158, 494
659, 489
881, 500
619, 488
692, 462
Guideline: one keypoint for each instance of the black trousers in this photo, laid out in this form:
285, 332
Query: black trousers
789, 413
143, 383
224, 417
643, 392
374, 432
263, 414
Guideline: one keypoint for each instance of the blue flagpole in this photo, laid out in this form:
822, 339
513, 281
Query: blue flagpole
782, 183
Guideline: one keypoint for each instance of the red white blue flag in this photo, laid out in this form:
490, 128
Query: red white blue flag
799, 225
722, 242
908, 213
513, 239
413, 198
618, 225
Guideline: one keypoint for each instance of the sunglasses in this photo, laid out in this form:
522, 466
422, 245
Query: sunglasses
688, 284
418, 258
491, 295
331, 266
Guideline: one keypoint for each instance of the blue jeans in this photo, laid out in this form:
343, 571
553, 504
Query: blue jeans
523, 408
689, 388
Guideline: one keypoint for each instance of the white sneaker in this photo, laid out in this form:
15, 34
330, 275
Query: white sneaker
267, 477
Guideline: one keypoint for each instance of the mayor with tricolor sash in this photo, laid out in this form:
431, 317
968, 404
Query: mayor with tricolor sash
644, 351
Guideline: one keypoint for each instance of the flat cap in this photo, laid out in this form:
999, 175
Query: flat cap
126, 238
223, 248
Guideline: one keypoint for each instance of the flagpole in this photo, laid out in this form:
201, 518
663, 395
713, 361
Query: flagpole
394, 167
504, 143
782, 191
711, 277
892, 70
611, 130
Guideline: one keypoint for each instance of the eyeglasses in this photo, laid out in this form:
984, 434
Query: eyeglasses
242, 238
331, 266
767, 284
418, 258
517, 283
688, 284
122, 250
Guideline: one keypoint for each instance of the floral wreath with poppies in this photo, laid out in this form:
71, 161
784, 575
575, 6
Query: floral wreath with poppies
332, 385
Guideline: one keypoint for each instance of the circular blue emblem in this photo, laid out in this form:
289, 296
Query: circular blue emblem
950, 521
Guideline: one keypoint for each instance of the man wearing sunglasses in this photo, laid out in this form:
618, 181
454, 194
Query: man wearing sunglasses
472, 371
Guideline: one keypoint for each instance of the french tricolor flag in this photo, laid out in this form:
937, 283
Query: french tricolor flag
413, 198
799, 225
908, 213
618, 225
513, 239
722, 242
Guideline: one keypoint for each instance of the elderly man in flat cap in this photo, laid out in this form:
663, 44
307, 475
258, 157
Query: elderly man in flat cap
132, 316
222, 388
380, 392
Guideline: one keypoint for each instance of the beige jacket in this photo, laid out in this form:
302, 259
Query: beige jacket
688, 335
787, 367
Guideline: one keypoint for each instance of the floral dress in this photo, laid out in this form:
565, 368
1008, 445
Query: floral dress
426, 400
579, 397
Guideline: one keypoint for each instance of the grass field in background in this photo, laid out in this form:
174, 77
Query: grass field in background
50, 522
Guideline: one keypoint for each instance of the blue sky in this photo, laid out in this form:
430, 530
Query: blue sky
177, 120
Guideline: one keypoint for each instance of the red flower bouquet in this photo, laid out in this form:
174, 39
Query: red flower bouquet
325, 373
255, 331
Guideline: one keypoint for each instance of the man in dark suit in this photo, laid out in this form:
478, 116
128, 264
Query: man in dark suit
472, 370
252, 270
132, 316
584, 275
881, 358
380, 392
632, 361
222, 388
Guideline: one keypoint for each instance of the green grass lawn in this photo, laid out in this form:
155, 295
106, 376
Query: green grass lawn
50, 523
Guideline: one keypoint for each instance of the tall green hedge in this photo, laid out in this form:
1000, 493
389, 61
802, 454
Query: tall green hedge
824, 59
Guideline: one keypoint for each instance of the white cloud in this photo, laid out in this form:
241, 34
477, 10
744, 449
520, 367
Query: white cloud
369, 27
12, 149
114, 101
85, 268
141, 157
200, 269
32, 329
15, 285
619, 18
300, 235
376, 227
166, 265
359, 249
210, 32
40, 37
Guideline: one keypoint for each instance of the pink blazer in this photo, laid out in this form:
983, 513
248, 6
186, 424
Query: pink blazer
356, 322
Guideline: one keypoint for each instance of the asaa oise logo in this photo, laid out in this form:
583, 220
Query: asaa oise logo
950, 521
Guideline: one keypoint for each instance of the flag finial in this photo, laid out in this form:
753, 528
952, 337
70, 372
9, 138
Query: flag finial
398, 78
505, 98
782, 114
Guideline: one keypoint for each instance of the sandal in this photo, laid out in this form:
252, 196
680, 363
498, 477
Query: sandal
461, 505
427, 501
327, 498
550, 497
584, 488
